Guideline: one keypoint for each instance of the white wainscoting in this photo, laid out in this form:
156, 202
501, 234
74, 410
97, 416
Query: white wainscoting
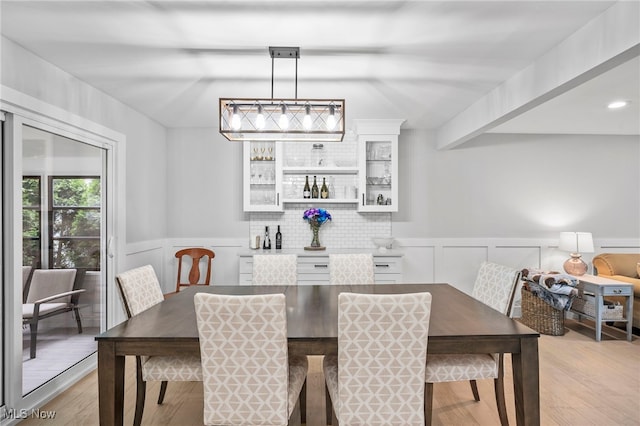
438, 260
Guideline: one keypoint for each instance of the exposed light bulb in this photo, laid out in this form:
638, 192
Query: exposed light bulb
283, 122
331, 120
236, 123
260, 123
617, 104
306, 121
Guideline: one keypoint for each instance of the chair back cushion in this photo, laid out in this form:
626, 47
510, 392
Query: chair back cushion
495, 286
140, 289
275, 269
382, 353
47, 282
354, 268
243, 348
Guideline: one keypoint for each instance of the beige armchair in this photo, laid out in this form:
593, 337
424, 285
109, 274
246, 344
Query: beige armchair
51, 292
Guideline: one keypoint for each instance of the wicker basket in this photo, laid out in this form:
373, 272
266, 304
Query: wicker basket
540, 316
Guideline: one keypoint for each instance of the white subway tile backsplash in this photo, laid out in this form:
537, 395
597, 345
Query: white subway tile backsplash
347, 229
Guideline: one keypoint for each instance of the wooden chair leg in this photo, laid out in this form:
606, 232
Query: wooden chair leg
474, 389
428, 403
500, 402
141, 387
303, 402
163, 390
498, 384
328, 405
294, 420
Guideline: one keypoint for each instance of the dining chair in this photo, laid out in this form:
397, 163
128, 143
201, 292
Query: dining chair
51, 292
377, 378
197, 255
249, 379
353, 268
495, 286
140, 290
275, 269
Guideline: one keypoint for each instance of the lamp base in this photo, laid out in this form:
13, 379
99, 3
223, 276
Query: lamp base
575, 265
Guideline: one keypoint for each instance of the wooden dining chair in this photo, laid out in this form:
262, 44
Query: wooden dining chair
377, 377
249, 379
351, 268
275, 269
197, 256
495, 286
141, 290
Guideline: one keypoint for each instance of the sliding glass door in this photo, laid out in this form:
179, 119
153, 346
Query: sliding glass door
57, 212
62, 230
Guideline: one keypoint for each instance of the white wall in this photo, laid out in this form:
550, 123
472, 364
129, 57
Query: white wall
204, 185
146, 140
519, 186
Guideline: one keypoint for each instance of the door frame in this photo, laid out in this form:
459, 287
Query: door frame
22, 109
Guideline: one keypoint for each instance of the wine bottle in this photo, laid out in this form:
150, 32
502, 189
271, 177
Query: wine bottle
278, 239
314, 189
266, 244
306, 192
324, 191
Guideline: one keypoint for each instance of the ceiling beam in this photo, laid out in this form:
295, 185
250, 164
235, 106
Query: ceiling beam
607, 41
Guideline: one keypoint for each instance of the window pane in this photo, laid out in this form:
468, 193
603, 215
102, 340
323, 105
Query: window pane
30, 191
68, 253
76, 192
77, 223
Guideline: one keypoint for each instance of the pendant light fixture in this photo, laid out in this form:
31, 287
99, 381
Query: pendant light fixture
243, 119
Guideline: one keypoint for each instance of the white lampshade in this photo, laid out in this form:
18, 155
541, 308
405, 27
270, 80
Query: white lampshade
576, 242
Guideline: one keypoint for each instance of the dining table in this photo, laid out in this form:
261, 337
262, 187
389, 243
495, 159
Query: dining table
459, 324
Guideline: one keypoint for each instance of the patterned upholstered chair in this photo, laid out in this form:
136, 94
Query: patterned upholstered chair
354, 268
378, 376
141, 290
275, 269
495, 286
249, 379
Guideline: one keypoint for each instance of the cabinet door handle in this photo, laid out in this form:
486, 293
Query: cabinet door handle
320, 266
277, 198
363, 199
382, 265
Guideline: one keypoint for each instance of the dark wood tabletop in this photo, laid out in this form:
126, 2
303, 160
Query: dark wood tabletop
459, 324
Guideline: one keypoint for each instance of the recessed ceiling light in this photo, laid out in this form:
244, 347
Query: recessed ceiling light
617, 104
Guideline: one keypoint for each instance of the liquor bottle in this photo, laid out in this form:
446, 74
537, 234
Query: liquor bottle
314, 189
266, 244
278, 239
306, 192
324, 191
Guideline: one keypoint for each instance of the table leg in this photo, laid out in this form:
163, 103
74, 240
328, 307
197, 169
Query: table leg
629, 316
526, 382
599, 302
110, 384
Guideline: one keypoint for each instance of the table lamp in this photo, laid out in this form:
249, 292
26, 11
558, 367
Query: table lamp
576, 243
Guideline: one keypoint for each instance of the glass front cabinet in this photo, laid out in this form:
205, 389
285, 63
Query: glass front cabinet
262, 176
378, 164
365, 175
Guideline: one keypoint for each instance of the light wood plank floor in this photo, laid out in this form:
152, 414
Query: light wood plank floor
582, 382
